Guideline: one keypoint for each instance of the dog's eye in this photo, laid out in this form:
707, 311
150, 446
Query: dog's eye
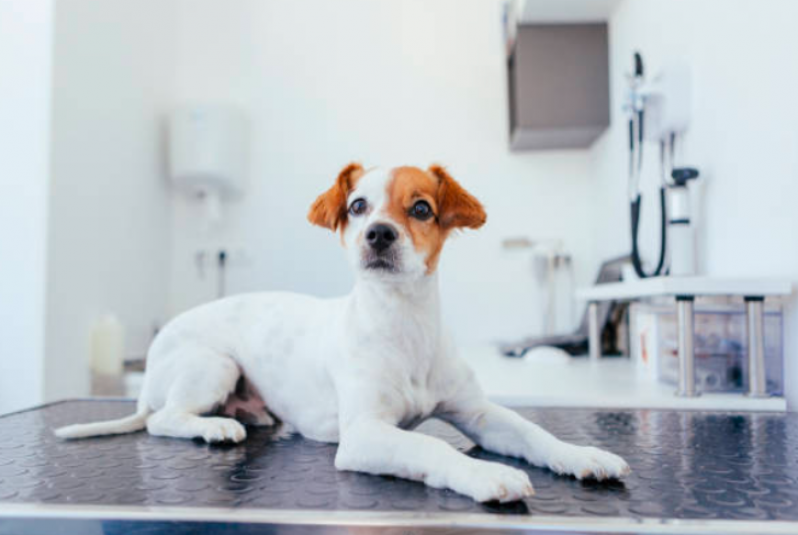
421, 210
358, 207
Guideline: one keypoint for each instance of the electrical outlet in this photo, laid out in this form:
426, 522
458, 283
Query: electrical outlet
239, 257
206, 259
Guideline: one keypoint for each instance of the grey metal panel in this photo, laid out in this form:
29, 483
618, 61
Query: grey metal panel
693, 472
554, 138
559, 86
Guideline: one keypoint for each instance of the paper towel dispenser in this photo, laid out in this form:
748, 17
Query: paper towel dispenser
208, 154
558, 86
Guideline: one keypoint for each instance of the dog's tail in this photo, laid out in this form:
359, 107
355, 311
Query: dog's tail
128, 424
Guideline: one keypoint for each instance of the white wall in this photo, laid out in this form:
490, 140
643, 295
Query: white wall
110, 209
385, 83
380, 82
25, 25
744, 135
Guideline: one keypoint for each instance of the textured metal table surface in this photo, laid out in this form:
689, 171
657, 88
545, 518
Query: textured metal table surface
688, 468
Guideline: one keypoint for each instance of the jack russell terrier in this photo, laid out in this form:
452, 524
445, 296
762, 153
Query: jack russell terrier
360, 370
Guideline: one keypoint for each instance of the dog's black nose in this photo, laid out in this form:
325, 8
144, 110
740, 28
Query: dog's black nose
380, 236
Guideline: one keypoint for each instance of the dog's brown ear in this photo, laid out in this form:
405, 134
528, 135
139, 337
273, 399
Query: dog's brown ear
456, 207
329, 209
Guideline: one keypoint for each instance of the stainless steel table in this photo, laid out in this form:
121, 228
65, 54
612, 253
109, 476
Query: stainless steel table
693, 472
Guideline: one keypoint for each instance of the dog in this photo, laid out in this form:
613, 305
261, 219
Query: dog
361, 370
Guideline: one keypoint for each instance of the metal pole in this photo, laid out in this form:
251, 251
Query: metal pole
757, 383
686, 324
594, 332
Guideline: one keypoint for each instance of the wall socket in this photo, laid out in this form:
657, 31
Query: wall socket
206, 259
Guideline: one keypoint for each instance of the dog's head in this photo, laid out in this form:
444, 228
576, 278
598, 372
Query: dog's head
394, 222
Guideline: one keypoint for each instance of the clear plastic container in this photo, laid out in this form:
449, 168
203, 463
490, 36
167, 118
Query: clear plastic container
720, 345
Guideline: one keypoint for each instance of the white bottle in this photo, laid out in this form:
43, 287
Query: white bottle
108, 346
681, 235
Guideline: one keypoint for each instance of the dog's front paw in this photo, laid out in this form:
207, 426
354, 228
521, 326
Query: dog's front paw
486, 482
588, 462
223, 430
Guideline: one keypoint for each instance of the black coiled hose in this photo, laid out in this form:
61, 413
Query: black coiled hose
636, 262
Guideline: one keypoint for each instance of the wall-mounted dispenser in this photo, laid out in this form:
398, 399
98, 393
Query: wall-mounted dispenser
666, 100
208, 148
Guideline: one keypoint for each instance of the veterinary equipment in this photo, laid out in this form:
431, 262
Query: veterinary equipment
594, 324
550, 262
635, 107
555, 266
680, 227
659, 111
707, 472
208, 155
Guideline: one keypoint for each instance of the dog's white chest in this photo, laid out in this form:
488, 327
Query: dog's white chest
418, 397
421, 404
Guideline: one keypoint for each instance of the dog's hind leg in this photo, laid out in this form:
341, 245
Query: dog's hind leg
247, 406
199, 387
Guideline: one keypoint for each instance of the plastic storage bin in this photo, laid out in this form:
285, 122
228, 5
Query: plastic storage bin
720, 345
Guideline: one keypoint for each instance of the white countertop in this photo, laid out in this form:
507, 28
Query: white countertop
549, 378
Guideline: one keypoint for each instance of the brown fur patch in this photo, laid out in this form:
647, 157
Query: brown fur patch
459, 209
330, 209
452, 205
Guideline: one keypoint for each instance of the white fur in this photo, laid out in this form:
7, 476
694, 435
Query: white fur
358, 370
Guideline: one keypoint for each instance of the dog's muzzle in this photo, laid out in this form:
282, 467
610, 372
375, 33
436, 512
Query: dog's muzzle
380, 254
381, 236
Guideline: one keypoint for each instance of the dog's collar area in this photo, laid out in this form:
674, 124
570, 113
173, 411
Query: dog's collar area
735, 474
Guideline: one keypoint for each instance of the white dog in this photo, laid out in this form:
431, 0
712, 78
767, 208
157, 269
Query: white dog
358, 370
